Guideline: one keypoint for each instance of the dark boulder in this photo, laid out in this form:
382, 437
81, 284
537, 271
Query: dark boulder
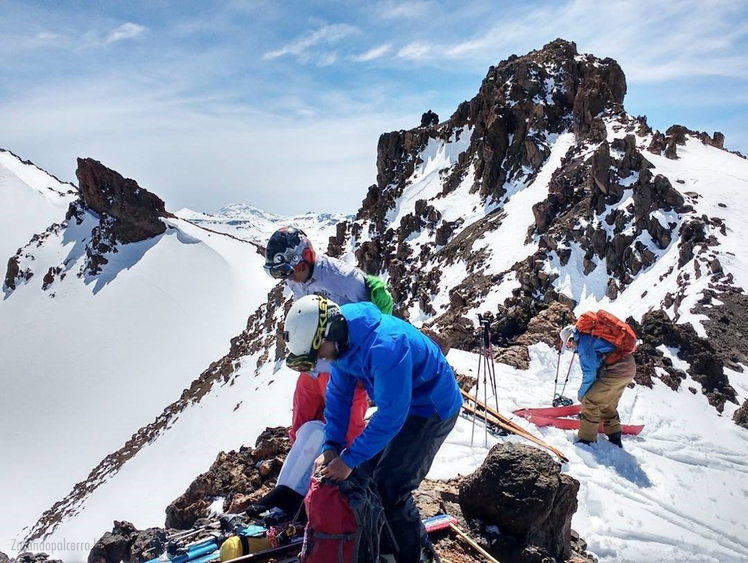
521, 490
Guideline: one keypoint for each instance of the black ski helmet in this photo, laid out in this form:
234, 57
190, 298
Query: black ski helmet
286, 248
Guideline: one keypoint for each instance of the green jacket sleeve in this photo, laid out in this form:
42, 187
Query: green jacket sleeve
379, 294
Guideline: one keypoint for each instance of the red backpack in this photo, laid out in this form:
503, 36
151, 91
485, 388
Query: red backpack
345, 522
608, 327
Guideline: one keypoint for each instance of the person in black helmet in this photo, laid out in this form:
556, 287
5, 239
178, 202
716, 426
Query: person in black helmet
290, 256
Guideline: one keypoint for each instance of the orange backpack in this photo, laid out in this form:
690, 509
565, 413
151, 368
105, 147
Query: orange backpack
610, 328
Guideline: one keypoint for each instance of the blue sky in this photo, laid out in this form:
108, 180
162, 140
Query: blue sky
280, 104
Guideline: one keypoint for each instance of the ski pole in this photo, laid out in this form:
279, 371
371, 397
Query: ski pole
484, 359
493, 369
477, 391
571, 363
555, 381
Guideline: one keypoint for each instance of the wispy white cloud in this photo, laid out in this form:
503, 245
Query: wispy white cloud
127, 30
417, 51
403, 10
372, 54
47, 36
690, 38
304, 46
275, 161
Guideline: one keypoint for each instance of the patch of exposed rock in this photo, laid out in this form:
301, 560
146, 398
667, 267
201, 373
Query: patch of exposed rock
127, 213
676, 135
236, 476
135, 211
521, 490
28, 557
126, 543
541, 327
706, 367
726, 324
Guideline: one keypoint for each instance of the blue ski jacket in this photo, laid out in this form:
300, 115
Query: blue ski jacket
592, 352
403, 370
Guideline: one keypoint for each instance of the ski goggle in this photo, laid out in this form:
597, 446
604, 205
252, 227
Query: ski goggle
280, 271
302, 362
282, 264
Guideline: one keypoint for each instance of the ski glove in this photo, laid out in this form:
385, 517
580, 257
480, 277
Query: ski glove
379, 294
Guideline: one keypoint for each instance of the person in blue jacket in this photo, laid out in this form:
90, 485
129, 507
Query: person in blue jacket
602, 385
416, 393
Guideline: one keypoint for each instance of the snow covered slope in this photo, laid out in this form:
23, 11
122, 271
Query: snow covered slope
30, 201
89, 359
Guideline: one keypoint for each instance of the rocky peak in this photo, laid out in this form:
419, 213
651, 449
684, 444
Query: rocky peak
135, 212
520, 102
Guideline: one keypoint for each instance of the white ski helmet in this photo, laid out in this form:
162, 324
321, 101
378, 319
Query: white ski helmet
307, 325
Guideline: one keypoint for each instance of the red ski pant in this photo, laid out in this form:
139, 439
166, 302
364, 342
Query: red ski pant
309, 404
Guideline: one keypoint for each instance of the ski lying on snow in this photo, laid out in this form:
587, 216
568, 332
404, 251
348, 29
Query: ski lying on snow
570, 423
489, 415
571, 410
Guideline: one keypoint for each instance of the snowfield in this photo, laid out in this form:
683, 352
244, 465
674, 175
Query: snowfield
87, 364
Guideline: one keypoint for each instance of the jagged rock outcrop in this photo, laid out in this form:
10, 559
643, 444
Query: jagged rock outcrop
706, 367
521, 490
242, 472
127, 544
521, 101
676, 135
429, 119
543, 326
135, 212
127, 213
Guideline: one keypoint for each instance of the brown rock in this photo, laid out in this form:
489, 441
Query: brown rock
135, 212
741, 415
12, 272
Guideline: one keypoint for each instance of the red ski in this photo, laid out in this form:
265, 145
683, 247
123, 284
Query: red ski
554, 416
571, 410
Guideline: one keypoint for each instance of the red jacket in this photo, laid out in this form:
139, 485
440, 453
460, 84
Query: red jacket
309, 404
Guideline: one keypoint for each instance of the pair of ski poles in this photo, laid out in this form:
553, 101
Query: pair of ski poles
560, 400
487, 365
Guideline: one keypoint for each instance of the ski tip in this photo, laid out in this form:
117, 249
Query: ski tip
439, 522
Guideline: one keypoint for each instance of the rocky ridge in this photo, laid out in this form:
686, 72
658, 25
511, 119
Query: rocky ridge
115, 210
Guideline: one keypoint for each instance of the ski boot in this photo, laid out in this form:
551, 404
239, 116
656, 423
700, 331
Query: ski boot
615, 439
581, 442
